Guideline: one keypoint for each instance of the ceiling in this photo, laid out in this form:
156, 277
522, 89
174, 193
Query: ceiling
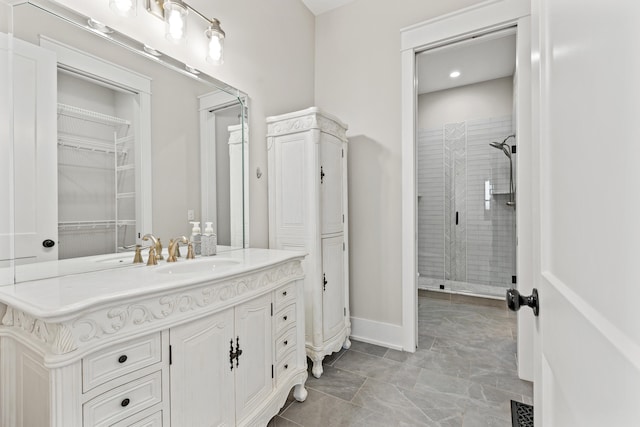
483, 58
321, 6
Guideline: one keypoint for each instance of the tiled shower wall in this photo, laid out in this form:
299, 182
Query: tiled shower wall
454, 164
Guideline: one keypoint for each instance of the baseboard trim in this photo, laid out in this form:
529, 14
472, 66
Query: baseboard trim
379, 333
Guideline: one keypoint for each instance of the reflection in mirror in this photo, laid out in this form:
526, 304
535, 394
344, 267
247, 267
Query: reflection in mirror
112, 142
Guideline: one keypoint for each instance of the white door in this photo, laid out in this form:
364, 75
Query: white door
588, 330
202, 381
35, 153
254, 381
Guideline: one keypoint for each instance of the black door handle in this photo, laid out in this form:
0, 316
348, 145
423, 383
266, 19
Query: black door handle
48, 243
515, 300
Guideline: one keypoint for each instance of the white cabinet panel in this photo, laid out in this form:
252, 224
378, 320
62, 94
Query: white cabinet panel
202, 381
255, 339
331, 186
333, 306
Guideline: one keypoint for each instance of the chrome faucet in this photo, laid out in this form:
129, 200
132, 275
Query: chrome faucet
174, 245
153, 259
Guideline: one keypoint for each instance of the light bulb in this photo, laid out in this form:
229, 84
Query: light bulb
176, 25
216, 36
175, 18
123, 7
215, 49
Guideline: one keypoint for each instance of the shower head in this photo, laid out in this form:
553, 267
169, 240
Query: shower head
502, 146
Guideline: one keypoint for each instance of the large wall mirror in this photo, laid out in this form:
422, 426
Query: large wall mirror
111, 140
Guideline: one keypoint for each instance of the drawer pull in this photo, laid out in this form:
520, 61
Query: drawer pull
125, 403
284, 294
286, 342
284, 318
122, 358
286, 366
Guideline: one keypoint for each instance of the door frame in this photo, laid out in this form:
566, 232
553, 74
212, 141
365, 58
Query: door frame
479, 19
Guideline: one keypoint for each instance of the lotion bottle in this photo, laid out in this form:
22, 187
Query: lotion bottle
196, 237
209, 240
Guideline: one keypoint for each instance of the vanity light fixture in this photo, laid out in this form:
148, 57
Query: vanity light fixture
123, 7
215, 52
175, 20
175, 12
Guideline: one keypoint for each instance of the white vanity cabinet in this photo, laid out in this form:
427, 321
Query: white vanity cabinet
307, 152
217, 351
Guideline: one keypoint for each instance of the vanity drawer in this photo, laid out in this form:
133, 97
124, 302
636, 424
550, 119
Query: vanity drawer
285, 295
284, 343
286, 366
121, 359
124, 401
285, 318
153, 420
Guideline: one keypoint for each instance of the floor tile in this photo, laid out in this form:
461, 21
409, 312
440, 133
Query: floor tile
463, 374
337, 382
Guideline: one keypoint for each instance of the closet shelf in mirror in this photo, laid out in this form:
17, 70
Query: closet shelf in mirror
107, 223
88, 144
125, 195
126, 167
92, 116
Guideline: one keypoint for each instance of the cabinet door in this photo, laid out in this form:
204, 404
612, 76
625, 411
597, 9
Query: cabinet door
331, 184
201, 378
333, 287
253, 373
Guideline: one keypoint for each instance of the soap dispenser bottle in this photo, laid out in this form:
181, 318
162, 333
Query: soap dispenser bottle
196, 238
209, 240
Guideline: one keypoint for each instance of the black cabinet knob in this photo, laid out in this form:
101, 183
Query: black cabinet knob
122, 358
284, 318
48, 243
284, 294
286, 366
125, 403
515, 300
286, 342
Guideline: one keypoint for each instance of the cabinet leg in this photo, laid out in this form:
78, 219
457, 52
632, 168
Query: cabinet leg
300, 393
317, 368
347, 343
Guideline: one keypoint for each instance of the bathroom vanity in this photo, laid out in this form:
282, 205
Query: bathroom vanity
212, 341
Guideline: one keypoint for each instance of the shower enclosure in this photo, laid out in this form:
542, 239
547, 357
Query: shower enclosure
466, 207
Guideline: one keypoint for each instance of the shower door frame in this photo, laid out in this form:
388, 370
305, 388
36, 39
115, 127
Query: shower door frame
489, 16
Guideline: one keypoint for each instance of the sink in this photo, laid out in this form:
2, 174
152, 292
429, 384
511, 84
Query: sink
198, 266
119, 258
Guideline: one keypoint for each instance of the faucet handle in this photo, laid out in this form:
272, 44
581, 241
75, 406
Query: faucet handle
190, 254
152, 256
159, 256
137, 258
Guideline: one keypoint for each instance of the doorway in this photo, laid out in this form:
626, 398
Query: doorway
442, 31
466, 159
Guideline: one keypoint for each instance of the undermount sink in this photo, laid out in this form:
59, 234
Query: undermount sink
198, 266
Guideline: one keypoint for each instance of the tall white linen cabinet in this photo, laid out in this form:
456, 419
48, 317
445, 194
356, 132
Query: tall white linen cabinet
307, 153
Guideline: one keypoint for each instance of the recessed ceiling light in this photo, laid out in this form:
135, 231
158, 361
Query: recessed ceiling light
454, 74
190, 69
99, 26
151, 51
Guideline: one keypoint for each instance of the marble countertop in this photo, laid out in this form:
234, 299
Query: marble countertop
56, 298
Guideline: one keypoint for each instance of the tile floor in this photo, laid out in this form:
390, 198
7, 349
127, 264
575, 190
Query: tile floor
463, 374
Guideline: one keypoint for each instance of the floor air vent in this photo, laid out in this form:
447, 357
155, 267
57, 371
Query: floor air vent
521, 414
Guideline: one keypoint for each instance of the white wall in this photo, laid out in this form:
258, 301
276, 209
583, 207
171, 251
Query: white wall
358, 79
269, 54
493, 98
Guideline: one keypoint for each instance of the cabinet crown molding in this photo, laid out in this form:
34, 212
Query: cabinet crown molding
303, 120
